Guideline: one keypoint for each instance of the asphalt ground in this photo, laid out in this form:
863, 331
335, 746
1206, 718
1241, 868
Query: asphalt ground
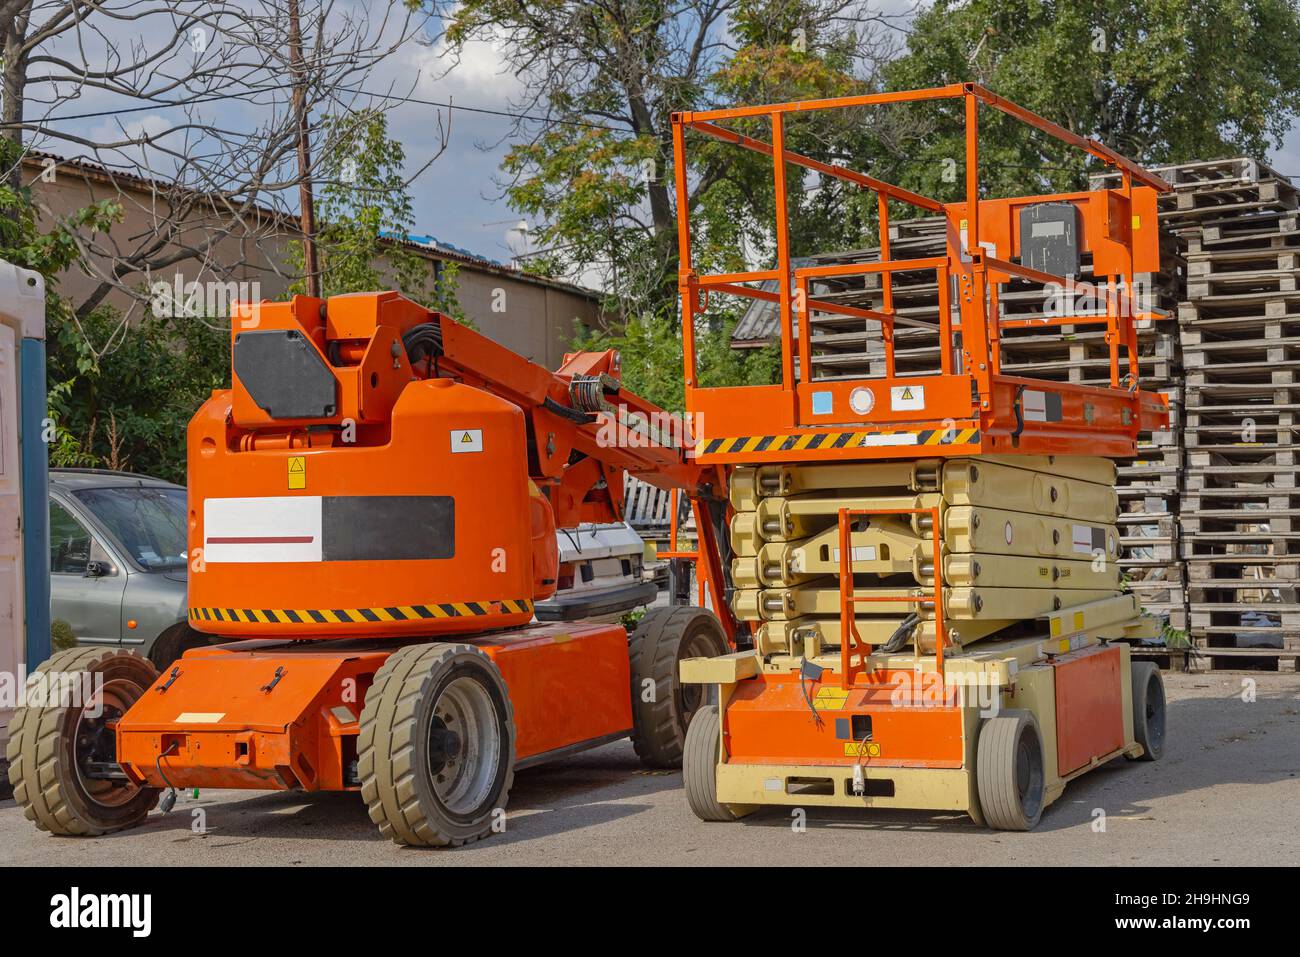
1225, 793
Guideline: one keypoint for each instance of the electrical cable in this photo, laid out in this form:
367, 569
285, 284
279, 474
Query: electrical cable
169, 799
1020, 412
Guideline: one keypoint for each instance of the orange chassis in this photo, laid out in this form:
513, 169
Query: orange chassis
277, 715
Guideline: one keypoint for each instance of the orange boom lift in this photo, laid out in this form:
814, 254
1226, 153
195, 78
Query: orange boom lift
373, 508
372, 526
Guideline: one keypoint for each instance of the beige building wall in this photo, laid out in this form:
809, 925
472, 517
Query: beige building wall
529, 314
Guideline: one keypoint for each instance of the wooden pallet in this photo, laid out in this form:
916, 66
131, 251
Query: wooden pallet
1263, 230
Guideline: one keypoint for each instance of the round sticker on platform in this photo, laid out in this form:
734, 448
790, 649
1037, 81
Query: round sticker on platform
862, 401
1006, 532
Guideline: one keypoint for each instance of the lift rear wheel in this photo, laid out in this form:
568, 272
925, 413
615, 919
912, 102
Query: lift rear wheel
700, 769
1009, 771
436, 748
1148, 710
62, 750
662, 706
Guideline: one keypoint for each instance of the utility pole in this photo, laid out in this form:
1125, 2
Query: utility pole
298, 71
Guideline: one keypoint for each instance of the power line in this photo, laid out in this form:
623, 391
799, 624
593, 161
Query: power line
446, 105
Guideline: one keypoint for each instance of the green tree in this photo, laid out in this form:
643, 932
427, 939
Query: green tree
129, 407
364, 210
119, 395
597, 173
1162, 81
651, 351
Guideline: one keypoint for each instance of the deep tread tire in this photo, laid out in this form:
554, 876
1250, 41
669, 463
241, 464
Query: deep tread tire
700, 769
42, 765
1009, 771
393, 757
661, 640
1148, 710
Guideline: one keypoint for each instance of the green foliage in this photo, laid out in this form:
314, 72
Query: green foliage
362, 200
1175, 637
62, 637
120, 395
129, 408
1163, 81
651, 352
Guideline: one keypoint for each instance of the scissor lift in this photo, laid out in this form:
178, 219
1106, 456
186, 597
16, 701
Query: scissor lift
926, 563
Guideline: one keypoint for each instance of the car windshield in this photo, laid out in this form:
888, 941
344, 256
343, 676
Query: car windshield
149, 522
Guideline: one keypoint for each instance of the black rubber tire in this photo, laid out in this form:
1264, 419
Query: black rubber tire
700, 769
42, 761
1148, 710
174, 642
1009, 771
661, 640
394, 763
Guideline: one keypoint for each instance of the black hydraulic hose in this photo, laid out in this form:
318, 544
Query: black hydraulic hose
565, 412
423, 341
899, 637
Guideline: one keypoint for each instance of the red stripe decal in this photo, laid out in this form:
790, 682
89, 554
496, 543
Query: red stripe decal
264, 540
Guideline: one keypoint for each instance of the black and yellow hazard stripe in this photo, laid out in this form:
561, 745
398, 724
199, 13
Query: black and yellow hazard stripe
814, 441
353, 616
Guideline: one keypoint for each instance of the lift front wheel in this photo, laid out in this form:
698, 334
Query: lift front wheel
436, 747
1148, 710
1009, 771
62, 750
700, 769
662, 706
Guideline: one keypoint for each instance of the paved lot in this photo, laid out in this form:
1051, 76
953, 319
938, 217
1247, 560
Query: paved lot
1225, 793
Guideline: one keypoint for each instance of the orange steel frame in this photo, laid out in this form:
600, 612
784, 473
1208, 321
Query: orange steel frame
978, 408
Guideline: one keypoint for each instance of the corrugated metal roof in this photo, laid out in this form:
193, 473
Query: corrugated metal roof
759, 323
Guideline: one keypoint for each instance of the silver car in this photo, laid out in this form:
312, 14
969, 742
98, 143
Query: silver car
117, 561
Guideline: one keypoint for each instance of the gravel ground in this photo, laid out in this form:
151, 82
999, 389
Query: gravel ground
1225, 793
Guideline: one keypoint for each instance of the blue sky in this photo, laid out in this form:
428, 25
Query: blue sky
456, 199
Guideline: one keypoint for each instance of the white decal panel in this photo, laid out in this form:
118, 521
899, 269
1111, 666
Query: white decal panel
270, 529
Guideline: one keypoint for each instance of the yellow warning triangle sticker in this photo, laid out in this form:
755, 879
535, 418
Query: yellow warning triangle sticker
296, 465
907, 392
466, 439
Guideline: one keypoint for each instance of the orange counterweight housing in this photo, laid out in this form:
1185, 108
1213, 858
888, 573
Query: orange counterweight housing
352, 498
379, 540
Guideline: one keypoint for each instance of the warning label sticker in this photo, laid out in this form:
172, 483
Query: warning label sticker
467, 440
1041, 406
859, 553
862, 749
297, 472
1087, 539
830, 699
904, 398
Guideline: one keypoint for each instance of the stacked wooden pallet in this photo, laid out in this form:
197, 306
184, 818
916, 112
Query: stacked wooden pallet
1240, 336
